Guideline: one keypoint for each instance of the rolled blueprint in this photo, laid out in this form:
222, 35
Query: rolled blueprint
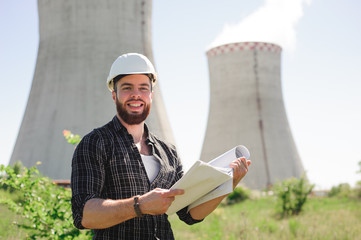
226, 158
206, 181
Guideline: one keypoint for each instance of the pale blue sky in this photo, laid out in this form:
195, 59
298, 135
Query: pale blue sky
321, 75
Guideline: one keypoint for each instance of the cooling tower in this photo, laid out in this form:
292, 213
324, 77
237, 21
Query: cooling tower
79, 40
246, 108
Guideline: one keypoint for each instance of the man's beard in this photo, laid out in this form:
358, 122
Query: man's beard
132, 118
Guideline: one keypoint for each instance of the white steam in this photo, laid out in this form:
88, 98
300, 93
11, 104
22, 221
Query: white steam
274, 22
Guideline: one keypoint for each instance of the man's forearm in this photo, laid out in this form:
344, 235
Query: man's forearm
203, 210
100, 213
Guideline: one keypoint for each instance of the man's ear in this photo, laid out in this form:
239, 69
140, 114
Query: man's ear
151, 96
114, 96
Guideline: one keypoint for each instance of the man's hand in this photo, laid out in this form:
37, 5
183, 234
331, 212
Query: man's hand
240, 169
158, 200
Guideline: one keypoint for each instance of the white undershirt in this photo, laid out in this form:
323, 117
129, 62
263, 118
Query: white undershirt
152, 166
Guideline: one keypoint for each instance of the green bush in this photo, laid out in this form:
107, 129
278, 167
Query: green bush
292, 195
239, 194
342, 190
16, 170
44, 206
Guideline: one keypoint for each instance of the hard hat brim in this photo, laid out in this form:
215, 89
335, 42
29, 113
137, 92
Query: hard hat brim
110, 83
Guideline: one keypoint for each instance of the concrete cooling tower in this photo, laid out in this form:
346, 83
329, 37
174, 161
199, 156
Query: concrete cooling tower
246, 108
79, 40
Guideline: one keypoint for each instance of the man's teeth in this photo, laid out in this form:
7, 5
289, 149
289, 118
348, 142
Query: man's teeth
134, 105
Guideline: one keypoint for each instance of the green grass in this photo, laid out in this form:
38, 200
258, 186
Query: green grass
8, 230
323, 218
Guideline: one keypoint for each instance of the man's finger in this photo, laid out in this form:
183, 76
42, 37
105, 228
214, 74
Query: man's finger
174, 192
244, 163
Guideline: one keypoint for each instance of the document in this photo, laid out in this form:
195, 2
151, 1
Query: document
206, 181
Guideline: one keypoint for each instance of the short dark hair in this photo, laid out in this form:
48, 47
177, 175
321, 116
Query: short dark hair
117, 78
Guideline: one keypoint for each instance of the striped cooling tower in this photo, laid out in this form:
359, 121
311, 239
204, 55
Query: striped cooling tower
246, 108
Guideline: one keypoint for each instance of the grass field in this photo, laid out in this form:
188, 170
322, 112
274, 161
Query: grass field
8, 230
323, 218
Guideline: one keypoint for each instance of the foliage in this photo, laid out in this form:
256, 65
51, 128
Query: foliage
342, 190
16, 171
73, 139
239, 194
45, 207
292, 195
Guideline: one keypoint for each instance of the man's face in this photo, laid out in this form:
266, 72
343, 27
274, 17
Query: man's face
133, 98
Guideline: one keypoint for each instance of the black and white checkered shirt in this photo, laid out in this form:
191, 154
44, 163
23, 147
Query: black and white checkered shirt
107, 164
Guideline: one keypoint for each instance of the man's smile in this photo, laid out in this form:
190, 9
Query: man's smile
135, 105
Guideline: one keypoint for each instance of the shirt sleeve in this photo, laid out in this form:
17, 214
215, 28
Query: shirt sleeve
87, 176
186, 217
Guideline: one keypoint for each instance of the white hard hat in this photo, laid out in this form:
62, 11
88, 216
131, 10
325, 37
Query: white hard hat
130, 63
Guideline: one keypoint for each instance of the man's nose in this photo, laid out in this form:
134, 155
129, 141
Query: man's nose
135, 94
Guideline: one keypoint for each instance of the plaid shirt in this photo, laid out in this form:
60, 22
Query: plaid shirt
107, 164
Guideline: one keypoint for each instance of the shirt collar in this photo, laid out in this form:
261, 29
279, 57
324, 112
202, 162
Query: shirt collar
117, 124
149, 135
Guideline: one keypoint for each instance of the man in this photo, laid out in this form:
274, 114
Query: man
122, 173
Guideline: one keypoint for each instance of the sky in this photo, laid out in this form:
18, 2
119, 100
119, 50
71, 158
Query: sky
320, 73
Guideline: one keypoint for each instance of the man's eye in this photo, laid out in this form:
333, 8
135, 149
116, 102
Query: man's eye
144, 89
125, 88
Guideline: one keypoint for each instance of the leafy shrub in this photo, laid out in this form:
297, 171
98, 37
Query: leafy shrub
239, 194
292, 195
16, 169
342, 190
45, 207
